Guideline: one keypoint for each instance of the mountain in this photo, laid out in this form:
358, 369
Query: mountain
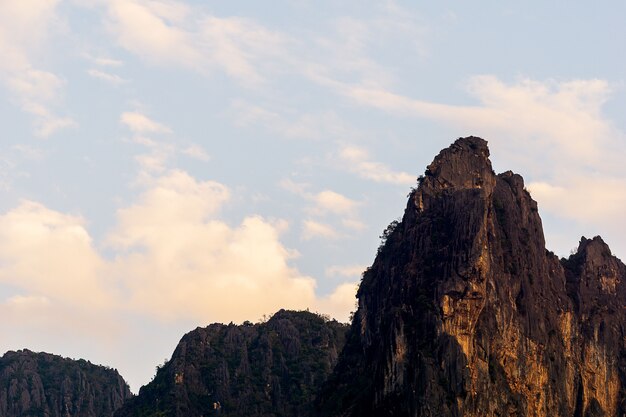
465, 313
41, 384
268, 369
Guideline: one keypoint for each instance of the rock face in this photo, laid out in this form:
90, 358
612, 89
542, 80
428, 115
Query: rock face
465, 313
40, 384
266, 369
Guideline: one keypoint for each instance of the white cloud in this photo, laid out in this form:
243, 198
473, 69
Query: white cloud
345, 270
51, 254
196, 152
155, 161
24, 27
173, 33
172, 258
140, 123
329, 201
29, 152
341, 302
358, 161
27, 302
583, 198
288, 123
298, 188
35, 91
353, 224
148, 28
193, 265
312, 229
555, 130
325, 203
534, 114
106, 62
175, 199
105, 76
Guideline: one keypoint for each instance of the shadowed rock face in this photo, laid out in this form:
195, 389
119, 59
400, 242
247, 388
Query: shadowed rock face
40, 384
465, 313
268, 369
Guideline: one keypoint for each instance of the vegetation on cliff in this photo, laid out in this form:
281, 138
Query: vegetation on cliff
41, 384
268, 369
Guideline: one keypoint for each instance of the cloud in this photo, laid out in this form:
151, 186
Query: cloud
173, 33
24, 27
358, 161
328, 201
566, 115
193, 265
353, 224
345, 270
175, 199
290, 124
153, 162
169, 257
556, 130
312, 229
20, 302
298, 188
585, 198
344, 53
29, 152
140, 123
107, 77
106, 62
49, 253
341, 302
159, 151
35, 91
196, 152
324, 202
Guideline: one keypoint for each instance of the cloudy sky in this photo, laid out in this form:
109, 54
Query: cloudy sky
165, 164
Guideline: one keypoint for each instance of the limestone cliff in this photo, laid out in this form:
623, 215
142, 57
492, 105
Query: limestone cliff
41, 384
266, 369
465, 313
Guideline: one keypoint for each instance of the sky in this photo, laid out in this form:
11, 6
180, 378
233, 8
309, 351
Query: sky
166, 164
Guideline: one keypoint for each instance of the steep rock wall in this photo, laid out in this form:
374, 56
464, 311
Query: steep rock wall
465, 313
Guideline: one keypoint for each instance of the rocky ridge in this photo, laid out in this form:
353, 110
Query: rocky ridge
465, 313
268, 369
41, 384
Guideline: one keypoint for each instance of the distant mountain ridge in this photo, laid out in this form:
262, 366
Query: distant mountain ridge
40, 384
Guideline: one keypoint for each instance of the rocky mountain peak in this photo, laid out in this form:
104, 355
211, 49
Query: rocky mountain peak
594, 249
465, 313
594, 275
465, 164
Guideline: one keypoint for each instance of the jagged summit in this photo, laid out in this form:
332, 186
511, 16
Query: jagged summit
465, 164
594, 248
465, 313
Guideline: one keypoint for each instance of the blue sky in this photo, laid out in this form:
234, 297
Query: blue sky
168, 164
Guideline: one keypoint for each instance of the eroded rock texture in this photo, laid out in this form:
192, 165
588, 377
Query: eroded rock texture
465, 313
44, 385
267, 369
